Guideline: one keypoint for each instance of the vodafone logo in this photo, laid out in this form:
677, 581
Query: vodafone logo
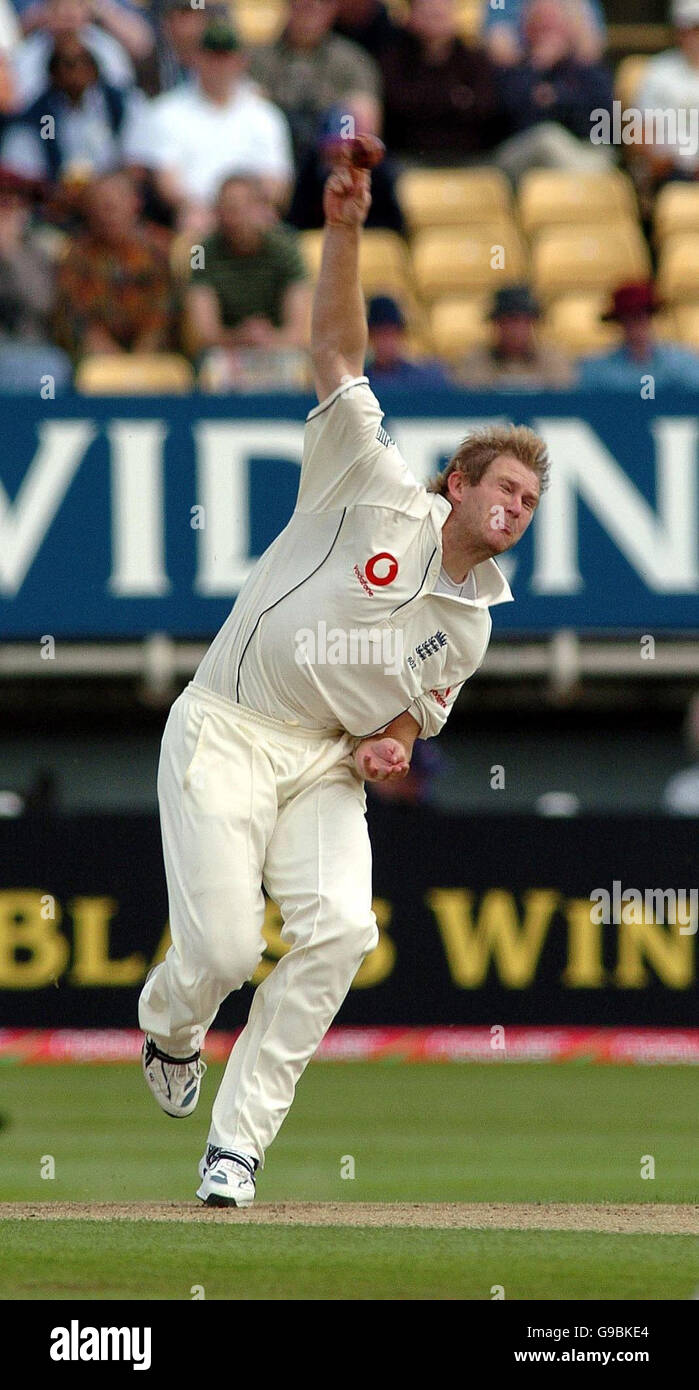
381, 569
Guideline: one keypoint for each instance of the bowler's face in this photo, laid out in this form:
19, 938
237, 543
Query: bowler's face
500, 508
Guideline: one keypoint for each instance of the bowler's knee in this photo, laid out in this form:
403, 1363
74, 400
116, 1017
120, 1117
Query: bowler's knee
230, 961
355, 937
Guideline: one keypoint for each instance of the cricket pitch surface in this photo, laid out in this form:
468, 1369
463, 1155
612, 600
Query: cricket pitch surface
632, 1219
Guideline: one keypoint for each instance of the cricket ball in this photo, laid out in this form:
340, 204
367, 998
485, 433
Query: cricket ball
359, 151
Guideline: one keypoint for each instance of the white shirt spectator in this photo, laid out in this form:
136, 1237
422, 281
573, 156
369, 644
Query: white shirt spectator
87, 139
10, 33
670, 82
201, 141
30, 62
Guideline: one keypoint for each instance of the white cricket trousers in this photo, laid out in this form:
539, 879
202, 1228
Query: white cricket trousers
245, 802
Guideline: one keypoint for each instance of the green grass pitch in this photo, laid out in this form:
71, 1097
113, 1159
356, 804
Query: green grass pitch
425, 1133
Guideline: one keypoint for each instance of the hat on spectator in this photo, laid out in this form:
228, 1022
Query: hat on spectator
220, 37
515, 300
632, 299
685, 13
384, 312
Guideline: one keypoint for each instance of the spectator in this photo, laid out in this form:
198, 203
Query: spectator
306, 209
251, 292
195, 135
671, 85
366, 22
9, 38
640, 355
389, 365
549, 97
309, 69
10, 32
114, 286
441, 101
516, 360
180, 29
121, 18
90, 120
27, 288
504, 31
62, 19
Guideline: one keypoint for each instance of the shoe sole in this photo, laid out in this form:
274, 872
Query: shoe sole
223, 1202
215, 1200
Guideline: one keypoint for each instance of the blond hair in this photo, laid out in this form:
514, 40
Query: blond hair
479, 450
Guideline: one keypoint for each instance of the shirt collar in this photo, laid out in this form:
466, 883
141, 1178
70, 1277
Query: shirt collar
492, 585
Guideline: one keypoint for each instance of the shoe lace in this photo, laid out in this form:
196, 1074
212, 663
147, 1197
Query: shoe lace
153, 1052
215, 1156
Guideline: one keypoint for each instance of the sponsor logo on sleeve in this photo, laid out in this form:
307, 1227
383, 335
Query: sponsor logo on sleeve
442, 696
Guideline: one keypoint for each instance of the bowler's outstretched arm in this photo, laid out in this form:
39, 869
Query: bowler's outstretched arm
339, 328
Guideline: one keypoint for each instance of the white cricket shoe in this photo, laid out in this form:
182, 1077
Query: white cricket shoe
227, 1178
174, 1081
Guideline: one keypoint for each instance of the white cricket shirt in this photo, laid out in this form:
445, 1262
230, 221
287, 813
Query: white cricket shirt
340, 625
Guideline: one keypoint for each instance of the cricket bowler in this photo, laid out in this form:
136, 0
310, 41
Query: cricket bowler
265, 754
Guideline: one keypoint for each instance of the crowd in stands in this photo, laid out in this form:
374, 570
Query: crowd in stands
161, 185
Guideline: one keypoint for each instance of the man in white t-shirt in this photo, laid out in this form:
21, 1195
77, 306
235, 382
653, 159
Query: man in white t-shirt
204, 130
351, 638
670, 86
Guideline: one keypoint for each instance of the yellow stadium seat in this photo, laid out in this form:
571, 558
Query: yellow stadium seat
551, 197
459, 324
258, 21
134, 374
676, 210
567, 260
686, 318
574, 323
384, 263
469, 14
628, 78
479, 258
384, 267
311, 244
678, 268
453, 197
666, 326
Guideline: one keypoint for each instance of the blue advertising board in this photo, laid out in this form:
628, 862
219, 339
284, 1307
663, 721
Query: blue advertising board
122, 517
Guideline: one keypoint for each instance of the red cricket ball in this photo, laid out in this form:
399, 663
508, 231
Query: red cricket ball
366, 151
359, 151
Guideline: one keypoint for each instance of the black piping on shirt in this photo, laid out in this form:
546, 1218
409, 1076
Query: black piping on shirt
422, 581
280, 600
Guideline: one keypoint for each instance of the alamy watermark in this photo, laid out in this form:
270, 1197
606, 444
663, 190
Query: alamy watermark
634, 906
675, 127
337, 646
